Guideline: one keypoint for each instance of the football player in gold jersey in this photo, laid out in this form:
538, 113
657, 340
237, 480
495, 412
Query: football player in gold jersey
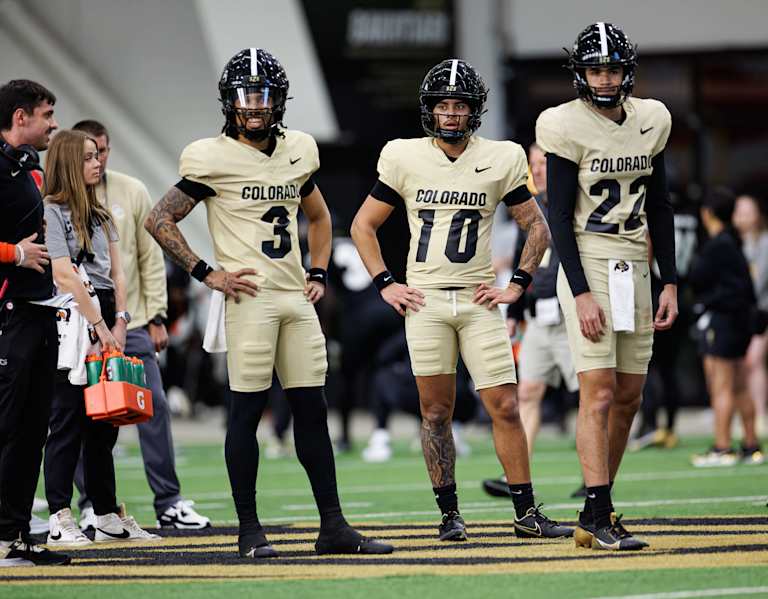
451, 183
607, 191
253, 178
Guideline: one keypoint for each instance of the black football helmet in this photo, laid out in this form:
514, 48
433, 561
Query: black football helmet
456, 79
602, 44
253, 72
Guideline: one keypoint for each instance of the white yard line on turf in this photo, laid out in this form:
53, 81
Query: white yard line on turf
699, 593
506, 506
746, 472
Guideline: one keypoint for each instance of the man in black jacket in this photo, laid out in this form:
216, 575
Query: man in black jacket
28, 337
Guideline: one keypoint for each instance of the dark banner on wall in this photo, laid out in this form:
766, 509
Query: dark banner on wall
374, 55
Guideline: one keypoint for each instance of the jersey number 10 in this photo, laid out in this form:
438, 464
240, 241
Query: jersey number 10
452, 251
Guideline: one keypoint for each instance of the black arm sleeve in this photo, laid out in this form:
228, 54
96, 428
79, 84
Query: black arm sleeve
308, 187
661, 221
517, 196
384, 193
194, 189
562, 190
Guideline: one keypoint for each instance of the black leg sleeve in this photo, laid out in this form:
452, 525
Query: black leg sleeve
241, 452
314, 450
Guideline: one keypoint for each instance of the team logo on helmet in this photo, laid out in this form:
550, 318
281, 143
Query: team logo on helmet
253, 84
452, 79
602, 44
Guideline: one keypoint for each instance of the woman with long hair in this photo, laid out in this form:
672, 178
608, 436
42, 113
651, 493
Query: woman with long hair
81, 231
749, 219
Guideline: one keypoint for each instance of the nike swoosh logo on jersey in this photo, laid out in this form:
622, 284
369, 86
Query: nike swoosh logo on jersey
644, 131
480, 170
294, 160
56, 537
122, 535
14, 173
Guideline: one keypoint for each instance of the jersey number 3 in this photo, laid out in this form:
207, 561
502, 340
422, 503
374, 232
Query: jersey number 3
613, 187
279, 216
452, 251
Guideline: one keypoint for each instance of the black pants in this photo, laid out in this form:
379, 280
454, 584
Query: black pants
71, 429
28, 353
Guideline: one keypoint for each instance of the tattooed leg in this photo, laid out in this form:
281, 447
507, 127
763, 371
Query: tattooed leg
437, 396
439, 452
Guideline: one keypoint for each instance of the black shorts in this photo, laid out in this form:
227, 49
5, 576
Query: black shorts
727, 335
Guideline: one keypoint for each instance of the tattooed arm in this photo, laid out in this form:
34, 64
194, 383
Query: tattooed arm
439, 451
531, 220
161, 224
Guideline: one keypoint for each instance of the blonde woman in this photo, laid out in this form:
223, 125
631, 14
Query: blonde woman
81, 231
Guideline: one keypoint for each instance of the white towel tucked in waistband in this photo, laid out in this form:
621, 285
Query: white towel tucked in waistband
215, 339
621, 294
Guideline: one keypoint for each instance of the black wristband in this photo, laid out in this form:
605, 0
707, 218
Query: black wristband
201, 270
383, 279
319, 275
522, 278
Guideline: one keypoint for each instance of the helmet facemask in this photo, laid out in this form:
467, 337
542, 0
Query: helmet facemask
431, 121
241, 104
589, 93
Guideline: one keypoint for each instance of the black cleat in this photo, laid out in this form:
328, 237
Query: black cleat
536, 525
452, 528
253, 544
613, 537
24, 551
584, 531
580, 492
497, 487
348, 540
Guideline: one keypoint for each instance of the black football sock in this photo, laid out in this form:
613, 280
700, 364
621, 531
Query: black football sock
241, 452
522, 497
447, 499
315, 452
599, 499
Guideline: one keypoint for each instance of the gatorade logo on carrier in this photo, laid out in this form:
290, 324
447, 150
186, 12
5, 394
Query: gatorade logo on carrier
140, 399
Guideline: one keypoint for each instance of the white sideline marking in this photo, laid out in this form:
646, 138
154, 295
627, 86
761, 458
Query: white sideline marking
465, 484
701, 593
506, 506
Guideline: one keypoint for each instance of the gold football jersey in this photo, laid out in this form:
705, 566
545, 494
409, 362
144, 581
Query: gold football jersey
450, 205
614, 165
252, 217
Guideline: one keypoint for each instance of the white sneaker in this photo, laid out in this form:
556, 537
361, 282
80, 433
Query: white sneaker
38, 526
463, 448
378, 449
120, 527
181, 515
64, 531
39, 505
87, 519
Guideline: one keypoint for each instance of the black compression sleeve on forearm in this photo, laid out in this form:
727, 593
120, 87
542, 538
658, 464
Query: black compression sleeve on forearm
661, 221
562, 190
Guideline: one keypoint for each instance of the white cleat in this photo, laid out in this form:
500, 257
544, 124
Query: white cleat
121, 527
87, 519
715, 458
378, 449
64, 531
38, 526
181, 515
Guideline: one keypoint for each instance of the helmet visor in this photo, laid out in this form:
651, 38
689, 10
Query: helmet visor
252, 97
